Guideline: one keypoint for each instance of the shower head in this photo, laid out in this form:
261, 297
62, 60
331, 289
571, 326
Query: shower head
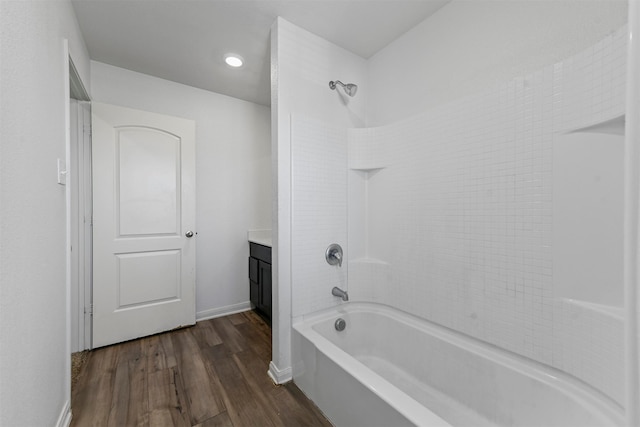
349, 88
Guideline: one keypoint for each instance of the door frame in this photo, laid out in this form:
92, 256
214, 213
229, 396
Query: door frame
79, 215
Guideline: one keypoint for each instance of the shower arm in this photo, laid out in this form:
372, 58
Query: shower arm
333, 83
349, 88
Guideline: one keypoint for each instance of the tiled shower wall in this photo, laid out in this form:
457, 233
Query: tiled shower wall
460, 215
318, 212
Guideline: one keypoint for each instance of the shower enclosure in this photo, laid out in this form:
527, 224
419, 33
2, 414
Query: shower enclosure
487, 199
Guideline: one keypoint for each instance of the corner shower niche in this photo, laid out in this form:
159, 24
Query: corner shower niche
367, 161
587, 252
588, 203
368, 158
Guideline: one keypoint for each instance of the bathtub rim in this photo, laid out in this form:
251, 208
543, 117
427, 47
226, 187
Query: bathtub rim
563, 382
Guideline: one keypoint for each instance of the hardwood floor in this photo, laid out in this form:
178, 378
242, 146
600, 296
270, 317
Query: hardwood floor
210, 375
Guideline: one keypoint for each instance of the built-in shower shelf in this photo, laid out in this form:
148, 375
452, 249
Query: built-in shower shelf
612, 311
614, 126
368, 169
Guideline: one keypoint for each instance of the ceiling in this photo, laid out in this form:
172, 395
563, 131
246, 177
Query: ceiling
185, 40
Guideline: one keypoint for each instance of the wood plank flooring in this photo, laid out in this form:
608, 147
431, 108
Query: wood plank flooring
213, 374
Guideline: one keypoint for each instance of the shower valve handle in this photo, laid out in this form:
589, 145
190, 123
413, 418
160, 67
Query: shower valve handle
334, 255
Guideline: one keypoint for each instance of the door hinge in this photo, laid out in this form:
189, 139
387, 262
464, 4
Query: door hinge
89, 310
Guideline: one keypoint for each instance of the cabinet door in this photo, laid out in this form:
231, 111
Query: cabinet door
265, 288
254, 278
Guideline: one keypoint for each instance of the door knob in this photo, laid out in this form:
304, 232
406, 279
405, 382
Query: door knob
189, 234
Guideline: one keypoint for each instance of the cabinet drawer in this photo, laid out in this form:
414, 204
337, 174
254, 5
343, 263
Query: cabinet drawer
263, 253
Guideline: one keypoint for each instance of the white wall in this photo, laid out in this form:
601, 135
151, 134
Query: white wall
233, 174
469, 46
302, 65
34, 348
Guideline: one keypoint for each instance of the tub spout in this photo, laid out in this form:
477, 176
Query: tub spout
336, 291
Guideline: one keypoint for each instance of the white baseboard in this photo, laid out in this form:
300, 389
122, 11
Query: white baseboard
279, 376
64, 420
223, 311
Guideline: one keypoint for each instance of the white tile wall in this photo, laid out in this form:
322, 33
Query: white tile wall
591, 85
302, 66
460, 214
319, 212
464, 197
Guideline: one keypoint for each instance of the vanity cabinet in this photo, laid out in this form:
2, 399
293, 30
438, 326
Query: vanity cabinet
260, 279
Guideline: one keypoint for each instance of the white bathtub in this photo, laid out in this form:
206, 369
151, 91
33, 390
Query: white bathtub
388, 368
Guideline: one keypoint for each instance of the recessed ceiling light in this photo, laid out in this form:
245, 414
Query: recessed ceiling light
233, 60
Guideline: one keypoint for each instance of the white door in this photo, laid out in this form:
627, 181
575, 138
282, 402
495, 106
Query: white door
143, 223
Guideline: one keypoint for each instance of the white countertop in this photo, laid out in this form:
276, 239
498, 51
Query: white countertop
261, 237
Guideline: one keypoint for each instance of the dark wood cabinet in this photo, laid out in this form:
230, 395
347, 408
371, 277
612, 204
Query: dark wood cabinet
260, 279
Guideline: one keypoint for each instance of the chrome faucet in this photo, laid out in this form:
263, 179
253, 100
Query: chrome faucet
336, 291
333, 254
